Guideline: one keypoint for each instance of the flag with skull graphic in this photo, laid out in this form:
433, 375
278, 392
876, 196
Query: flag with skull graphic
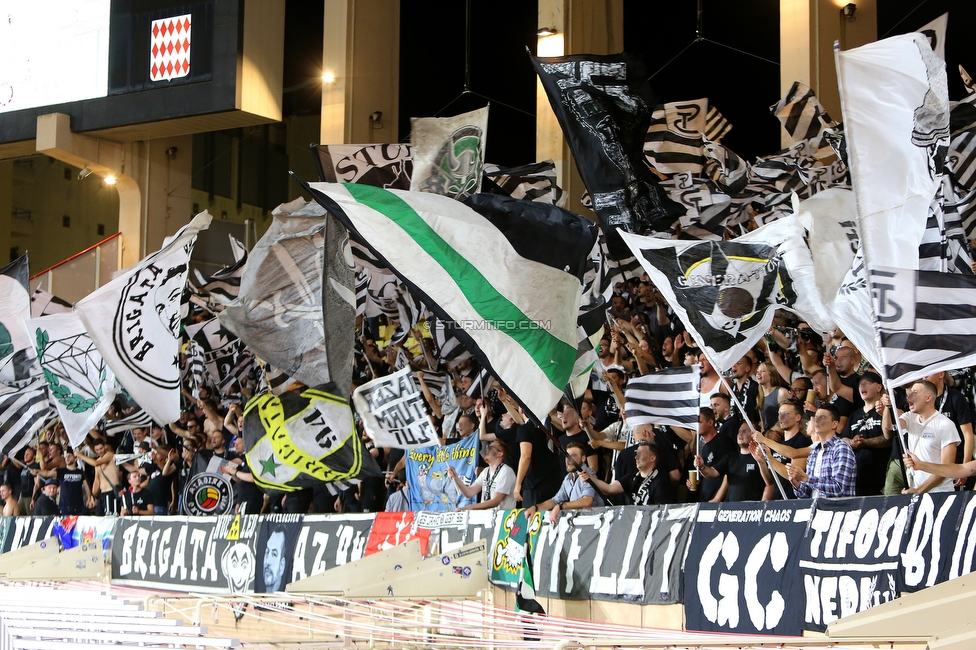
727, 292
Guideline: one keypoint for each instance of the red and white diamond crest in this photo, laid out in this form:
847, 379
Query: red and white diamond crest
169, 48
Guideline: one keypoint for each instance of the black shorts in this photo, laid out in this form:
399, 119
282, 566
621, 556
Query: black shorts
108, 504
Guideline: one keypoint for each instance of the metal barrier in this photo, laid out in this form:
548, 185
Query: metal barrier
76, 277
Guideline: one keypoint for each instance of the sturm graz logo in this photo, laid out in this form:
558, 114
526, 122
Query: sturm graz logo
456, 169
208, 494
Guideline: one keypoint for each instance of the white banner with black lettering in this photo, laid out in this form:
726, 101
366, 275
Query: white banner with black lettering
392, 409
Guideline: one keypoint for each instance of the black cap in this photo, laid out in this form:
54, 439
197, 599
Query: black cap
872, 377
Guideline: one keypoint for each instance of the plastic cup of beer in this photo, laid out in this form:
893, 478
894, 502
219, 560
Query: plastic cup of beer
693, 479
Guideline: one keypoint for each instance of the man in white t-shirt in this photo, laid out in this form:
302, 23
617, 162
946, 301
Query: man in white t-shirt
496, 482
932, 437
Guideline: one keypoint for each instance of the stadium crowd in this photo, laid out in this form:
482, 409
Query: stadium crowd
815, 420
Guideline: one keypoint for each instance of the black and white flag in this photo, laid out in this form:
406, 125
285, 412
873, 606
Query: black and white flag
382, 165
135, 322
393, 412
604, 105
532, 182
45, 304
22, 414
727, 292
674, 139
800, 113
136, 419
927, 321
667, 397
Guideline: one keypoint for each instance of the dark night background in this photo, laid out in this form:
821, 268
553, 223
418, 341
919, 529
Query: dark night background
742, 84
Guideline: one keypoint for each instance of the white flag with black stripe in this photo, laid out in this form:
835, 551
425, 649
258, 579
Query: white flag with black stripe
927, 321
136, 419
673, 142
22, 414
667, 397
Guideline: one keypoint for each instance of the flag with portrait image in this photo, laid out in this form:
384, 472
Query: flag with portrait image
135, 322
449, 153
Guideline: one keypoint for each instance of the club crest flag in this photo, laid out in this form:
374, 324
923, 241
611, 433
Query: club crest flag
16, 350
392, 409
302, 439
449, 153
430, 486
169, 48
135, 322
727, 292
516, 312
81, 384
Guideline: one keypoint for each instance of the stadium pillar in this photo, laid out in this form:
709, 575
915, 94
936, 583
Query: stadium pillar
807, 32
361, 72
106, 159
572, 27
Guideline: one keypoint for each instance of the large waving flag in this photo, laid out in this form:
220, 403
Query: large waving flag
604, 105
81, 385
135, 322
894, 94
284, 293
896, 116
727, 292
297, 440
517, 311
669, 396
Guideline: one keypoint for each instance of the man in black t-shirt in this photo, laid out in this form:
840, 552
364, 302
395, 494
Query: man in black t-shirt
648, 486
539, 475
746, 475
162, 473
135, 500
726, 422
74, 486
573, 432
844, 381
794, 443
27, 481
667, 460
863, 433
714, 446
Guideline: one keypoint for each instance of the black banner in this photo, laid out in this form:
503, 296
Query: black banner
940, 543
628, 554
741, 568
849, 557
206, 554
327, 541
16, 532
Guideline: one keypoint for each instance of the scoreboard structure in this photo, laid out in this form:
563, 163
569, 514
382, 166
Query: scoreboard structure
94, 83
127, 70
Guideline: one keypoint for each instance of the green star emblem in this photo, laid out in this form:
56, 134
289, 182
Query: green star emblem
269, 466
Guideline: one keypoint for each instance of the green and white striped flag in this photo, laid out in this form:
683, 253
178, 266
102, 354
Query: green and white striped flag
516, 309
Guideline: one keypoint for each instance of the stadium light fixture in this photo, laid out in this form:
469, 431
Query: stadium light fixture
110, 180
328, 77
85, 172
546, 31
849, 10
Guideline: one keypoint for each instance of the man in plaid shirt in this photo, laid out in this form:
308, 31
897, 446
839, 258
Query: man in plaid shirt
831, 466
